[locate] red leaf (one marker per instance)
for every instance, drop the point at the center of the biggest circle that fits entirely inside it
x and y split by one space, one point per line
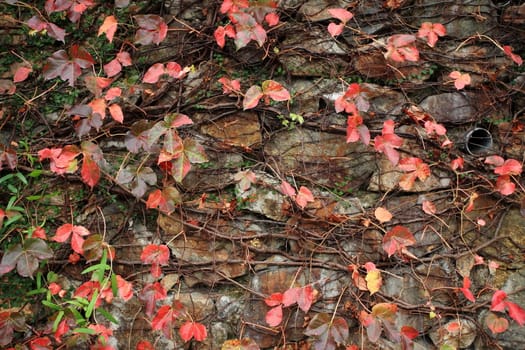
355 130
191 330
274 299
457 163
62 159
112 68
496 324
153 73
341 14
306 297
153 253
76 233
466 289
174 70
144 345
272 19
109 27
516 58
150 294
152 29
67 66
230 6
274 317
460 80
229 86
221 33
124 58
90 171
290 296
287 189
401 48
21 74
125 288
516 313
304 196
397 239
433 127
409 332
113 93
388 142
275 91
504 185
498 301
431 31
509 167
116 113
164 319
336 29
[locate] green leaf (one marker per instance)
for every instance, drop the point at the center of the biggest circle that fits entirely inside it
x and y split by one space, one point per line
84 330
51 305
107 315
59 317
91 306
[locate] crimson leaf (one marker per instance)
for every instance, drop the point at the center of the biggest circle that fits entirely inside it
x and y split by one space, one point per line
68 66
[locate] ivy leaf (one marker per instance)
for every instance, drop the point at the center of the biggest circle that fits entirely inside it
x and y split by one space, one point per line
112 68
137 181
245 179
25 257
8 157
373 278
388 142
496 324
252 97
516 58
287 189
152 29
341 14
93 247
51 29
222 32
247 29
164 320
494 160
275 90
306 297
165 200
274 316
397 239
109 27
431 31
229 86
68 66
382 215
116 113
191 330
63 160
150 294
460 79
9 322
304 196
516 313
355 130
466 289
76 232
328 334
509 167
401 48
153 73
22 73
504 185
240 344
416 169
90 171
428 207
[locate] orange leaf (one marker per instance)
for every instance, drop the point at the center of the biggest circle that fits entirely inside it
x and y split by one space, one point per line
397 239
116 113
274 316
109 27
382 215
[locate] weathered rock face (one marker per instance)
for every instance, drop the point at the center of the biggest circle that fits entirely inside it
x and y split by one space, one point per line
232 247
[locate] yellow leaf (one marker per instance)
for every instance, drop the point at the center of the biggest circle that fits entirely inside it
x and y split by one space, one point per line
373 281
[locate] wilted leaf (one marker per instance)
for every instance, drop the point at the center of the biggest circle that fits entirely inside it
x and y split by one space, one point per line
25 257
152 29
496 324
252 97
67 66
275 90
328 333
401 48
373 278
